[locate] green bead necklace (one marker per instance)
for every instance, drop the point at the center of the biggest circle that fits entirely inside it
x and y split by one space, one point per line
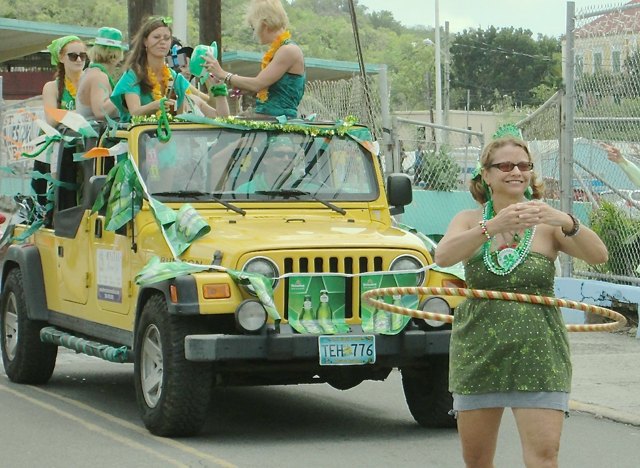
508 258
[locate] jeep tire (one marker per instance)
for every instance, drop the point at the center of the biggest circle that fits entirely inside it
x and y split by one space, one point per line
172 392
427 394
26 359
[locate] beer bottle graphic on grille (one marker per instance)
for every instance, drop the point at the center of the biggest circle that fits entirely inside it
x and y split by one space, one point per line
381 319
397 319
308 318
325 318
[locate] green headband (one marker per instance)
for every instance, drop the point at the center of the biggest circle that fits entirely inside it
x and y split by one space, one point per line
57 45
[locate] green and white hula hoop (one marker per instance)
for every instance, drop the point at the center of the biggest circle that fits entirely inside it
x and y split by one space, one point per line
370 298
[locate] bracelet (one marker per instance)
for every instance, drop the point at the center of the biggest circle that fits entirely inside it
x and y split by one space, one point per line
485 231
227 79
219 90
575 229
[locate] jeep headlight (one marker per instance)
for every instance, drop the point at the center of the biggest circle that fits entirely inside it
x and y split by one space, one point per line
265 267
435 305
410 263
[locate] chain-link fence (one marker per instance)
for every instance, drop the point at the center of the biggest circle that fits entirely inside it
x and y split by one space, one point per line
606 78
332 100
439 160
602 74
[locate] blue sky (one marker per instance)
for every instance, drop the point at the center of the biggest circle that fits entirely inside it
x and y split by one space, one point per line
540 16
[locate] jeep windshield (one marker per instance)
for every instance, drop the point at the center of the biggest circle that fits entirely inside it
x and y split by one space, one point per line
214 164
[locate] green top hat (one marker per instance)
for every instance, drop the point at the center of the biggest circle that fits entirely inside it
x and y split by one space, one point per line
109 37
196 65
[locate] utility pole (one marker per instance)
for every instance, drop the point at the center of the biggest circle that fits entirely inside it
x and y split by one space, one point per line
430 101
447 83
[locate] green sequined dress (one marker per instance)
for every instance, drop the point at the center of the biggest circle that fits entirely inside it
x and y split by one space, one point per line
500 346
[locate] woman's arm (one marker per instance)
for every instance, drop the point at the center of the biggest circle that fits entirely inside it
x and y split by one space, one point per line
585 245
632 171
50 99
283 60
461 240
99 97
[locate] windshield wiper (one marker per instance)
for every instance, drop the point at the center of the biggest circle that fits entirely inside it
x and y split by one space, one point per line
297 193
195 193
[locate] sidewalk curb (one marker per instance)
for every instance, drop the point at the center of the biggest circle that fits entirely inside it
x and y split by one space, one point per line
608 413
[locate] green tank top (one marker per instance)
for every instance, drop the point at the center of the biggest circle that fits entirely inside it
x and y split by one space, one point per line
67 102
283 96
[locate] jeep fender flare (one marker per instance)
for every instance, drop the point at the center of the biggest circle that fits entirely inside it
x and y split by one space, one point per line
27 258
187 292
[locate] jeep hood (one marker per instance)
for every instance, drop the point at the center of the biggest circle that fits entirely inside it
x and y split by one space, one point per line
259 234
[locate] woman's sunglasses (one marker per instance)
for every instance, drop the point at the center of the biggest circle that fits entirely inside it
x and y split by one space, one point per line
73 56
508 166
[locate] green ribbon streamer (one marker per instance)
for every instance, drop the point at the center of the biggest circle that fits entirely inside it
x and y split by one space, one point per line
116 193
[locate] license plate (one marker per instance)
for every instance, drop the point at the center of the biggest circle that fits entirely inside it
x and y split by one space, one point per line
344 350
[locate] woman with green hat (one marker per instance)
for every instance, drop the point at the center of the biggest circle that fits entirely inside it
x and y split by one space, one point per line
96 83
148 79
69 55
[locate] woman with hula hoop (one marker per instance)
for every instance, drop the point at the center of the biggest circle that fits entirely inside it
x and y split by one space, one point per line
511 354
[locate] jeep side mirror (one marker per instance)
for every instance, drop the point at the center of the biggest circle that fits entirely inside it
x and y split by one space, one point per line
399 192
95 185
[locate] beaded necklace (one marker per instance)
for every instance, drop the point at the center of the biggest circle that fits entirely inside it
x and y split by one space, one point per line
266 60
508 258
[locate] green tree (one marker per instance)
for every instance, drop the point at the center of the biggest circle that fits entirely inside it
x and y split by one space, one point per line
505 61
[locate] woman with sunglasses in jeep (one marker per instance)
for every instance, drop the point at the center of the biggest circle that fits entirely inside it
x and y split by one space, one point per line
511 354
147 79
69 55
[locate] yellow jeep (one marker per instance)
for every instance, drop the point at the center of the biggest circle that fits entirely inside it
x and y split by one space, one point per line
225 252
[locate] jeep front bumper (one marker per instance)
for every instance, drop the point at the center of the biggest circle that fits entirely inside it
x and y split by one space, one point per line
288 346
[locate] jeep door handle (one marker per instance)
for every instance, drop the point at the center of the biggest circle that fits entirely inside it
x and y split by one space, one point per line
97 232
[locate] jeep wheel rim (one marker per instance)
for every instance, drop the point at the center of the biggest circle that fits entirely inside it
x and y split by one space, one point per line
151 366
10 332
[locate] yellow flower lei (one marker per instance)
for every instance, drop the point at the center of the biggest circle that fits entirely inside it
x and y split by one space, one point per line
70 87
156 90
266 60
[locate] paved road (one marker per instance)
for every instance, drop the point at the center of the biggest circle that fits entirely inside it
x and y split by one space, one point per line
87 416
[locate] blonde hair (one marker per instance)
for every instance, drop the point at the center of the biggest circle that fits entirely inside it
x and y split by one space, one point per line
477 187
269 13
104 54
